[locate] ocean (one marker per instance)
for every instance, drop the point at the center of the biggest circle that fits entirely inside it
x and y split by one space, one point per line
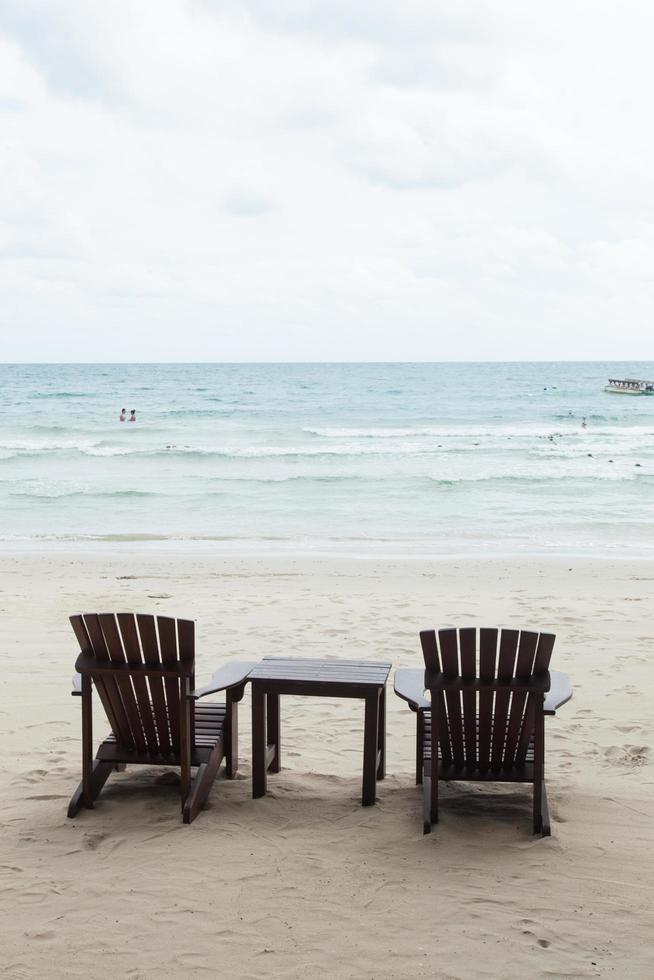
436 459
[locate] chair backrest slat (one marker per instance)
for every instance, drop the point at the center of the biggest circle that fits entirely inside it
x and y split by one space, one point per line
487 666
151 655
132 647
430 650
526 654
468 654
168 645
447 642
543 652
186 644
505 667
526 730
444 733
81 634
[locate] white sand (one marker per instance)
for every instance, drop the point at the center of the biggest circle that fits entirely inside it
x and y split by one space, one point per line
306 883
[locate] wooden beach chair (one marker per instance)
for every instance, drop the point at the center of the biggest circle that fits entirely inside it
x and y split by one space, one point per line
143 671
489 691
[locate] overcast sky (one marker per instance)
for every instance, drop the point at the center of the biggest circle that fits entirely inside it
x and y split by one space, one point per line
326 180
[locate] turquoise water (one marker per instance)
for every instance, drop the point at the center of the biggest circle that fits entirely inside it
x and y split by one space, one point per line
365 459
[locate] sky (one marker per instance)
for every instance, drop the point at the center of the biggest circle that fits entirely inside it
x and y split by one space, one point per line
307 180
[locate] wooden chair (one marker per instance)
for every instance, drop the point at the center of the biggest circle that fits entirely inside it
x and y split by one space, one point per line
484 719
143 670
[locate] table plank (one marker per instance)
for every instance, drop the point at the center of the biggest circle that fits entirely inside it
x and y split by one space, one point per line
334 671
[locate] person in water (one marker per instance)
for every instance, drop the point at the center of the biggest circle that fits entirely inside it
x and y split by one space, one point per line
132 417
122 415
583 423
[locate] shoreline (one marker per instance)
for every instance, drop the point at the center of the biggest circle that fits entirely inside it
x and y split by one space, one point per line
215 549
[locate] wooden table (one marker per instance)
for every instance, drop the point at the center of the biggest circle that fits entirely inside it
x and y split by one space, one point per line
274 676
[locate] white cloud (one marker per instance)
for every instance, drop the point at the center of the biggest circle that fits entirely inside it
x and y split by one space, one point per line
314 178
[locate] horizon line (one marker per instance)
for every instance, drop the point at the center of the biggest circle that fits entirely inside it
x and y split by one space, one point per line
331 362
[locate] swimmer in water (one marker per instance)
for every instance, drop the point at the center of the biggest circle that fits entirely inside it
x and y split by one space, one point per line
583 422
132 417
122 415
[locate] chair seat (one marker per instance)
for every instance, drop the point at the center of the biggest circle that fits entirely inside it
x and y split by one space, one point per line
209 730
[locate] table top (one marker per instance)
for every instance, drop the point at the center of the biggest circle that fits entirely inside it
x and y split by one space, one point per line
360 672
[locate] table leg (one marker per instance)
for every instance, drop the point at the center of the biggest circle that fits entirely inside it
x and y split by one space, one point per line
370 741
273 731
258 741
87 741
381 734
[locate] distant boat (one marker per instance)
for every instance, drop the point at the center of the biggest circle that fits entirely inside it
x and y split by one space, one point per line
629 386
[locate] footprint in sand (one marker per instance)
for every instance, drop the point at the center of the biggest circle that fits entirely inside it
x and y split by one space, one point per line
52 796
17 972
629 756
33 776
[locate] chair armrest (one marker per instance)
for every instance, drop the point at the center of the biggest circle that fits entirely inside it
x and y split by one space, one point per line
77 685
409 684
560 691
229 675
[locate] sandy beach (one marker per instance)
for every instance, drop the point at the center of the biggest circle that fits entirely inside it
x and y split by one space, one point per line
305 882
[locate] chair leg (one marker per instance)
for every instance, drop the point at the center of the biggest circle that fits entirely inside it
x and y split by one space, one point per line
185 741
426 804
201 785
433 795
541 810
541 815
544 828
433 763
429 795
100 772
537 800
